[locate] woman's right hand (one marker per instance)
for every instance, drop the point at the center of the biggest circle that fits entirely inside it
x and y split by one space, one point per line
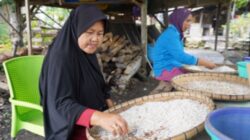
208 64
111 122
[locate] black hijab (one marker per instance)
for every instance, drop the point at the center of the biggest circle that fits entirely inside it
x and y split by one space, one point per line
71 80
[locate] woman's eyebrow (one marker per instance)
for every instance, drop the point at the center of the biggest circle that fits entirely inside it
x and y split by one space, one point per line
93 30
90 30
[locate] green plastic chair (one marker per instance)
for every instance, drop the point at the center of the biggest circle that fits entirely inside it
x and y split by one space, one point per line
23 80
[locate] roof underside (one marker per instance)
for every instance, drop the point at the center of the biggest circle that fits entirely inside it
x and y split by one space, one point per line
154 6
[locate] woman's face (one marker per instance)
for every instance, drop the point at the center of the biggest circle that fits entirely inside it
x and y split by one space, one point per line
187 22
90 40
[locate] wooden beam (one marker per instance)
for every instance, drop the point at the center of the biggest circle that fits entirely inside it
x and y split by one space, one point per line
9 24
43 22
60 3
27 9
50 18
105 2
163 26
37 2
175 3
137 2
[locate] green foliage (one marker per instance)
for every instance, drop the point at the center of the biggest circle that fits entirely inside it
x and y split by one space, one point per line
6 42
3 2
58 14
10 3
240 26
34 24
241 3
4 35
3 29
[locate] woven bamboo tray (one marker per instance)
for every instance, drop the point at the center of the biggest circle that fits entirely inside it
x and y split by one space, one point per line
192 70
162 87
163 97
179 83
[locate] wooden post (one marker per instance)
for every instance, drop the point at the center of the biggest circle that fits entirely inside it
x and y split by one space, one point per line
20 27
201 18
27 9
144 32
217 25
228 25
165 15
144 24
201 22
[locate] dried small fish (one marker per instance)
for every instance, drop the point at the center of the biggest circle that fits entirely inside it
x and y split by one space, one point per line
160 120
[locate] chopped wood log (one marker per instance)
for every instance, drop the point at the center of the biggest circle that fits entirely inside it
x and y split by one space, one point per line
117 42
100 61
134 66
131 69
125 59
4 87
135 48
105 58
126 51
120 60
128 58
115 38
107 37
104 47
116 49
122 66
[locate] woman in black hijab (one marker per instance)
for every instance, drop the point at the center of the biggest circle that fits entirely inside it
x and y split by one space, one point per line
73 91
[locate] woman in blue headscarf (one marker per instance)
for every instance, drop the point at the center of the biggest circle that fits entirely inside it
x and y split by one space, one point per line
168 54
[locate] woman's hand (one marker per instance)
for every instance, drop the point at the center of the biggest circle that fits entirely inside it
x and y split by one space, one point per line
111 122
208 64
211 65
110 103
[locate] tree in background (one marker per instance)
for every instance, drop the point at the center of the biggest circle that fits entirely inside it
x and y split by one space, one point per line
241 3
240 25
8 37
6 7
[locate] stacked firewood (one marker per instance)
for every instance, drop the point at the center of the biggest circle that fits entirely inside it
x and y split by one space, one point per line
119 60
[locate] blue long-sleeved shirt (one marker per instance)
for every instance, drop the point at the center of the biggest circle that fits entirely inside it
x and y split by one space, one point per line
168 52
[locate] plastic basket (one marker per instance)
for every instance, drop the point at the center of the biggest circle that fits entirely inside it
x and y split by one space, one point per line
242 68
229 124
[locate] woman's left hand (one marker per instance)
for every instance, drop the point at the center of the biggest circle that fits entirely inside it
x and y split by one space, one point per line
110 103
